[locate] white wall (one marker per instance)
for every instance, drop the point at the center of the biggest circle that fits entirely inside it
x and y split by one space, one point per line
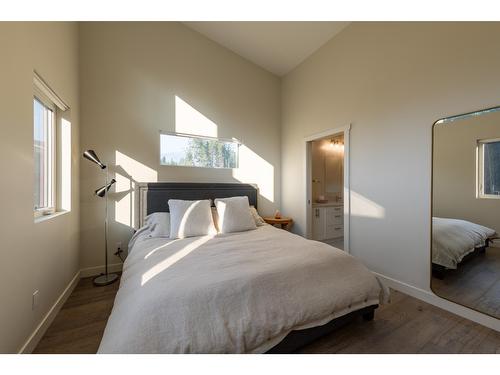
130 76
45 255
454 181
391 81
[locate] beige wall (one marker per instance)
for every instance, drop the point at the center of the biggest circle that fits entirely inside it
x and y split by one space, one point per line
454 172
391 81
130 76
45 255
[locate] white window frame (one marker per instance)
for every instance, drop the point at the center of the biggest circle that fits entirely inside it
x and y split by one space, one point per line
52 165
480 169
45 95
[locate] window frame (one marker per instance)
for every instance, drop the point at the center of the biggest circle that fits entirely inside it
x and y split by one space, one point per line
185 135
39 96
480 169
49 98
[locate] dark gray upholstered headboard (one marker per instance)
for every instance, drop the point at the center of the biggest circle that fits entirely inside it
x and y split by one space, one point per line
155 195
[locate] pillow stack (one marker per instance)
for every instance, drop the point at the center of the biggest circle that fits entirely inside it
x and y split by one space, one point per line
198 218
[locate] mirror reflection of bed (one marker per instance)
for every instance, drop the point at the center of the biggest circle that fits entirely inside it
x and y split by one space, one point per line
466 210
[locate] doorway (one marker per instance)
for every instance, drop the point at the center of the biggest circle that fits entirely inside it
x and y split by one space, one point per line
328 187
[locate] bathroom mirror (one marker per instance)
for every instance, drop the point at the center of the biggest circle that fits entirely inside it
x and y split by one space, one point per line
465 249
334 166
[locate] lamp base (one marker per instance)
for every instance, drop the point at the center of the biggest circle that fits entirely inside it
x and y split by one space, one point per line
102 280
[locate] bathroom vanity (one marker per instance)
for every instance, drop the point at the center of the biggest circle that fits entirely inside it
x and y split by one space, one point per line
328 221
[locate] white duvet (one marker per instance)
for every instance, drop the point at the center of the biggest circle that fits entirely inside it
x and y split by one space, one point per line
453 239
233 293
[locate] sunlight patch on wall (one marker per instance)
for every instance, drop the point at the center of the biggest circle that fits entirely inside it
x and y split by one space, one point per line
124 207
65 165
255 170
364 207
189 121
128 172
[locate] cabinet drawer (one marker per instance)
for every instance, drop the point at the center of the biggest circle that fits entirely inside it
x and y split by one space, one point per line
334 216
334 231
338 219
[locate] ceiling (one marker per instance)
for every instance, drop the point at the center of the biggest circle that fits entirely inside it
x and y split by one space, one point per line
275 46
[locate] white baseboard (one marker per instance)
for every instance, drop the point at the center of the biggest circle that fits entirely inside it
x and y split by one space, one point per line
40 330
96 271
429 297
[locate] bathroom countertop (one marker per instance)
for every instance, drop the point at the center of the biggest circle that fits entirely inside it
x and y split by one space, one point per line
327 204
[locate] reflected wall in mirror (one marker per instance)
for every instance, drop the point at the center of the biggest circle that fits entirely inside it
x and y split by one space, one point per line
466 210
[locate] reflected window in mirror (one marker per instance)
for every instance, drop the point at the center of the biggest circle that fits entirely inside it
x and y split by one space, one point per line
489 168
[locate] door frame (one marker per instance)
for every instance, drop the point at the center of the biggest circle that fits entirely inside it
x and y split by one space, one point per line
346 131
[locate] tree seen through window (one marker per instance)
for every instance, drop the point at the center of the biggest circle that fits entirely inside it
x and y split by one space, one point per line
198 152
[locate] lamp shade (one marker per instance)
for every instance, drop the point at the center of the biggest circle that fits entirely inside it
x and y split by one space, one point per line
92 156
101 192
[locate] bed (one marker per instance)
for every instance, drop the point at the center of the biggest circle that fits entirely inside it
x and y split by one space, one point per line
453 241
264 290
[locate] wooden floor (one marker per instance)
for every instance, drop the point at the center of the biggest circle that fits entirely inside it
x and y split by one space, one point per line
475 284
79 326
407 325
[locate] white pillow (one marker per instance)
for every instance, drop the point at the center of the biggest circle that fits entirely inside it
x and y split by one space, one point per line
190 218
234 215
259 221
159 224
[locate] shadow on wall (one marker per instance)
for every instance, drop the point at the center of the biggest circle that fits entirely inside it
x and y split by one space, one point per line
371 237
129 171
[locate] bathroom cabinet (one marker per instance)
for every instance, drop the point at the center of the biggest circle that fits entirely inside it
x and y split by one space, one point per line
328 222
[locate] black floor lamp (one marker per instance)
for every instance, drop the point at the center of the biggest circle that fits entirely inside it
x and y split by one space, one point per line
106 278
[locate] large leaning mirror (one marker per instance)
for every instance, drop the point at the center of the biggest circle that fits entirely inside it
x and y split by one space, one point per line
466 210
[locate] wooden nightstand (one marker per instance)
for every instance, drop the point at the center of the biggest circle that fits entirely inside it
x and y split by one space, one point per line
283 223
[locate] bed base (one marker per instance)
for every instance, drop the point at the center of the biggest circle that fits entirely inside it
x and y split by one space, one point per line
440 272
298 339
